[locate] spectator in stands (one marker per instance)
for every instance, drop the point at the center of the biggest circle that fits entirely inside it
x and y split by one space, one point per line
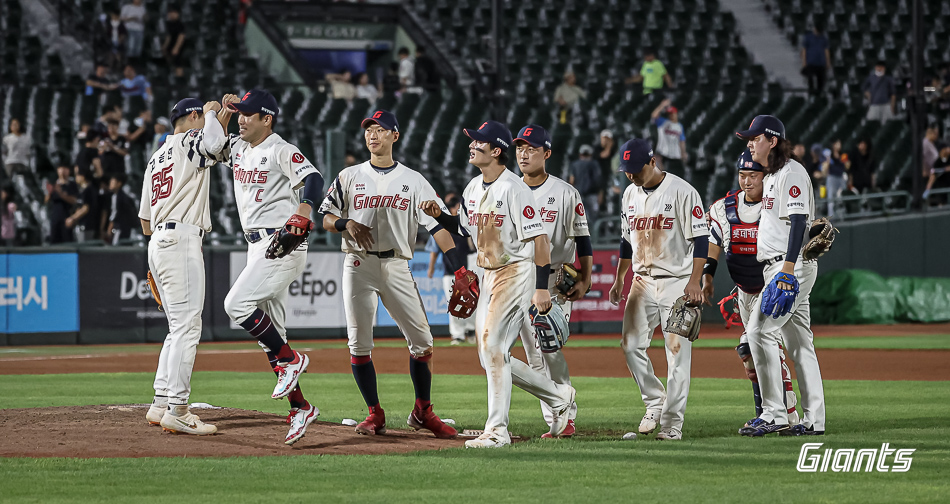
364 89
816 59
85 220
341 85
605 157
174 46
133 15
880 93
425 73
813 164
60 197
407 72
8 216
112 150
834 173
930 152
671 139
117 41
123 216
87 160
391 82
585 176
17 149
652 74
162 128
135 85
568 94
349 159
799 151
862 168
140 139
99 81
109 113
939 176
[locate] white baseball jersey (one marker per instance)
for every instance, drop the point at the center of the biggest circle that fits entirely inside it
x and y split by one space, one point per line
501 218
719 227
266 180
660 226
386 201
562 215
786 192
670 135
175 186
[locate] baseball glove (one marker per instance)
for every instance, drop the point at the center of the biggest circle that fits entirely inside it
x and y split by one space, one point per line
464 297
820 237
778 302
286 240
550 328
154 288
566 278
684 319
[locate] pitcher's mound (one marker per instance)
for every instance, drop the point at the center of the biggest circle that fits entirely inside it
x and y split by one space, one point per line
121 431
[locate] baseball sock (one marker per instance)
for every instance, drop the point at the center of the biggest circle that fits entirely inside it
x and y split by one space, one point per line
295 397
757 397
421 379
365 374
263 329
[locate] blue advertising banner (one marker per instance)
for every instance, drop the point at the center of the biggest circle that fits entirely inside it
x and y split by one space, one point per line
431 290
39 293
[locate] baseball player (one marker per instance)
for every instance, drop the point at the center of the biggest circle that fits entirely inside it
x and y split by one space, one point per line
733 227
175 211
561 211
268 174
782 308
498 212
665 239
458 327
375 205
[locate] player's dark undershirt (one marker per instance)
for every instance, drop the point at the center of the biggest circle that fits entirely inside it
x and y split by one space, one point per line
383 170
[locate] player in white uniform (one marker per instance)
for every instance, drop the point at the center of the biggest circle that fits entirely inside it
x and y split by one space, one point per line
788 207
175 211
498 212
562 215
733 227
268 174
376 206
665 238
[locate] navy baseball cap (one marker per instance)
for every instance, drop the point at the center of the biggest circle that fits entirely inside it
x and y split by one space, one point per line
763 125
535 136
634 154
185 107
745 162
384 118
492 132
257 101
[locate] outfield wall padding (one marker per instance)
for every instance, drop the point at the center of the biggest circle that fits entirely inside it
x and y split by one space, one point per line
865 297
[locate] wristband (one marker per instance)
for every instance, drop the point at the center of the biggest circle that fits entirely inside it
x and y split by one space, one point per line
541 281
710 267
340 224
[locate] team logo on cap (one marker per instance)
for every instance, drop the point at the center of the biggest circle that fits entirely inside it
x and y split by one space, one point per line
579 209
626 155
697 212
378 114
246 95
794 192
527 132
297 157
528 212
483 125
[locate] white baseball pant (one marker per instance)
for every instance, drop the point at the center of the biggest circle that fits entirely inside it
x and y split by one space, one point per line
648 305
745 302
367 279
795 327
264 283
176 262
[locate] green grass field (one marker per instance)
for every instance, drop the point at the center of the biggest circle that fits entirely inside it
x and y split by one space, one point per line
712 463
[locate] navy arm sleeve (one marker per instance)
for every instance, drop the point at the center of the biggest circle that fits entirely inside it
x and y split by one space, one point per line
626 250
795 237
449 222
313 190
700 247
584 247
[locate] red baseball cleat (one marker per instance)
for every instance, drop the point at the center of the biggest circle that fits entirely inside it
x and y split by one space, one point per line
425 419
374 424
568 431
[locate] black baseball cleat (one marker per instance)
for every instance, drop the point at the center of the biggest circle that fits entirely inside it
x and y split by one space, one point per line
801 430
758 427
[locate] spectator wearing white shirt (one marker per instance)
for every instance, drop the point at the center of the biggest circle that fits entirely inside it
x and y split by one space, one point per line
406 70
16 149
133 15
671 141
341 85
364 89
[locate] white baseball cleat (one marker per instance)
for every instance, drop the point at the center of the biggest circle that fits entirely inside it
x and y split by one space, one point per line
560 419
489 440
155 414
189 423
288 373
649 422
669 435
300 419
